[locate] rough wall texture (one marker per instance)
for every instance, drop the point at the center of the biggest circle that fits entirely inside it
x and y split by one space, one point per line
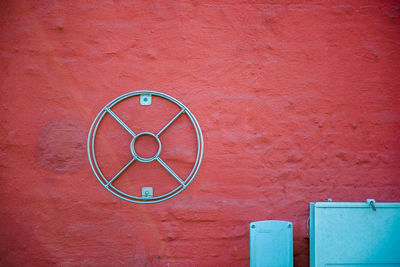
298 101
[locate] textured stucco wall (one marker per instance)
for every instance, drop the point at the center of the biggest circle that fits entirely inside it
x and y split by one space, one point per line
298 100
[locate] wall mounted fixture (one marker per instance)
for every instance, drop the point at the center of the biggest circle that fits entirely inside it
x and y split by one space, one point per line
148 194
354 234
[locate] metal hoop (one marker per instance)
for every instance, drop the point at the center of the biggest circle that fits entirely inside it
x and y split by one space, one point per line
142 159
107 183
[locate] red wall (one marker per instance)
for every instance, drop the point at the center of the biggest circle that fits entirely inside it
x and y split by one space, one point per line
298 101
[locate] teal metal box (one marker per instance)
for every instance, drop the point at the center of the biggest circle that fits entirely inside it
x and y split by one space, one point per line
271 244
354 234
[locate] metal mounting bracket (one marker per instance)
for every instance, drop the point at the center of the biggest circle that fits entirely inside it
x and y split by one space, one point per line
145 99
147 192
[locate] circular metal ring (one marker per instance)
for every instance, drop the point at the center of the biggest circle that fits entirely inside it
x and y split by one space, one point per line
107 182
142 159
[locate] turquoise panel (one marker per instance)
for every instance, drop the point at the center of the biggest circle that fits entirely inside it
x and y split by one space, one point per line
354 234
271 244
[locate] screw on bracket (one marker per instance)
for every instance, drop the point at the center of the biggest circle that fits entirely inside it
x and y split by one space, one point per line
147 192
145 99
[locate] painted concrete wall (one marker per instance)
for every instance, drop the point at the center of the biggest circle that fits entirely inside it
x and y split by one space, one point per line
298 101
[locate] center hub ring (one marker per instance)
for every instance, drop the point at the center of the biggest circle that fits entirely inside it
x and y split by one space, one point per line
142 159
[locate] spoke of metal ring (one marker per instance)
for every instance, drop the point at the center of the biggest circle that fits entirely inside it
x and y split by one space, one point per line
171 171
120 121
169 123
121 171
